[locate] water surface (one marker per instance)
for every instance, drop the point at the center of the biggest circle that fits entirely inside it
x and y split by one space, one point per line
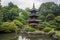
14 36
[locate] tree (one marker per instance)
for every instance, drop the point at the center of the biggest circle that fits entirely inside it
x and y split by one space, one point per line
10 12
49 17
25 14
42 17
18 23
1 14
48 7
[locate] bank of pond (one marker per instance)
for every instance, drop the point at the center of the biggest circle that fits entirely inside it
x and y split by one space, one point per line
20 36
29 36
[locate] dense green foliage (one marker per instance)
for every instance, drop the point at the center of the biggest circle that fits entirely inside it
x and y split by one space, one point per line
47 29
47 7
50 16
13 18
8 27
29 29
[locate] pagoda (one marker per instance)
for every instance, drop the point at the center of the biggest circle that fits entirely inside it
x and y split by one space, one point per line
33 17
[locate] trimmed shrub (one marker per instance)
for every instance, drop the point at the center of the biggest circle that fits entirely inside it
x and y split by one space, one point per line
41 26
49 17
18 23
8 27
46 24
57 18
47 29
29 29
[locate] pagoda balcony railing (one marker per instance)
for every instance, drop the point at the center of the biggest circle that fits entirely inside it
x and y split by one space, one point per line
33 14
34 20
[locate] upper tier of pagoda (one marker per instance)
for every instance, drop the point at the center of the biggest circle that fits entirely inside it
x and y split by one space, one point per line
33 10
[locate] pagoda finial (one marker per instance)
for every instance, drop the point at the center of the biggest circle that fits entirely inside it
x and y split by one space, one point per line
33 5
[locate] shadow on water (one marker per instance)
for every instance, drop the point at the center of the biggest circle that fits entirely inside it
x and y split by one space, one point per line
14 36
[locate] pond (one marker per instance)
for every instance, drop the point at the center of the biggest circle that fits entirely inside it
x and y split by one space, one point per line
14 36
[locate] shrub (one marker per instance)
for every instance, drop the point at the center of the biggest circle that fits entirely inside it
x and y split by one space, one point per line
52 31
18 23
46 24
8 27
42 17
57 18
41 26
49 17
58 28
29 29
47 29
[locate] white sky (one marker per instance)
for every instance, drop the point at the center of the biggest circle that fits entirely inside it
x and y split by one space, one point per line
26 3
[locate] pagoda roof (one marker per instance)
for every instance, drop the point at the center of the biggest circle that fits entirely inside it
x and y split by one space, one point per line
33 9
33 20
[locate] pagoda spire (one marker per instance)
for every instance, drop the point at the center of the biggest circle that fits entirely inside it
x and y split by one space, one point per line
33 5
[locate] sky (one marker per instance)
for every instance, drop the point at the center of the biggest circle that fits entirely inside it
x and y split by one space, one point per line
27 3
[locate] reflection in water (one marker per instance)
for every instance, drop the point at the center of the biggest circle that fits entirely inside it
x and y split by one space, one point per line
14 36
22 38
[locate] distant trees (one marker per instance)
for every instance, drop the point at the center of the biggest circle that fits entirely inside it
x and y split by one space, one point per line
49 7
50 15
10 12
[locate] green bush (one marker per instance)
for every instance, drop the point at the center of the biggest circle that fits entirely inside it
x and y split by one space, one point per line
46 24
58 28
47 29
57 18
29 29
8 27
41 26
52 31
42 17
49 17
18 23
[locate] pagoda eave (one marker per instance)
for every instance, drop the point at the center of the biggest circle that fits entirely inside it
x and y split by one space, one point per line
33 21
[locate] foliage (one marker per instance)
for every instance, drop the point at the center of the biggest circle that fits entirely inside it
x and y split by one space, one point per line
25 14
10 12
47 29
57 22
57 33
57 18
18 23
41 26
1 16
42 17
46 24
49 17
13 18
8 27
49 7
29 29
